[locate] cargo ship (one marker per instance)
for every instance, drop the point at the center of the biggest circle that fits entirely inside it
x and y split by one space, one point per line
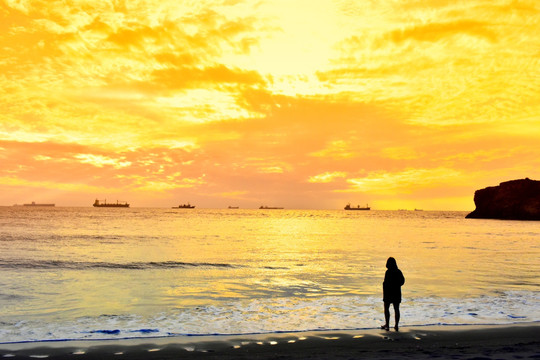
349 207
184 206
98 203
33 203
269 208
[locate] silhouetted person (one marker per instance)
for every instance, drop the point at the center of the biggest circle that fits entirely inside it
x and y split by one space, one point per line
393 279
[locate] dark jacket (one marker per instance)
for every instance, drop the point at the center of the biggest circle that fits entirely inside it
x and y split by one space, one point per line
393 279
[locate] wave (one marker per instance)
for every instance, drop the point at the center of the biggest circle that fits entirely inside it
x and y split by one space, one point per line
277 315
117 334
83 265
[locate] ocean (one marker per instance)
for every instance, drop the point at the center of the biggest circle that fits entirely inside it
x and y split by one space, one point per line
109 273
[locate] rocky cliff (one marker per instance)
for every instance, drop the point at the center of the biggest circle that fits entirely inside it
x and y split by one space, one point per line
511 200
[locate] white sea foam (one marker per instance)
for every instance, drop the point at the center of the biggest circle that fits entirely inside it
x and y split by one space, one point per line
286 315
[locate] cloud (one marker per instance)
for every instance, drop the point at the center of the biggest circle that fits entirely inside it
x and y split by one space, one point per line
327 177
401 153
222 97
437 31
130 169
22 6
189 77
16 182
271 170
100 161
403 182
336 149
147 184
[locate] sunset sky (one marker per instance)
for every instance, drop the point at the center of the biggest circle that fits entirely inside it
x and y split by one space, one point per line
301 104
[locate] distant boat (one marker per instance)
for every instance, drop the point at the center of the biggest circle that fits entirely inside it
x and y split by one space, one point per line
269 207
418 210
184 206
34 204
98 203
233 207
349 207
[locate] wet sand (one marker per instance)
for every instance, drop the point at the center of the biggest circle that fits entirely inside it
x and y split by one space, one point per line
429 342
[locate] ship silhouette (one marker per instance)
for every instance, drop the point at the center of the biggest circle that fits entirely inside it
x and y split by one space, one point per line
349 207
184 206
104 203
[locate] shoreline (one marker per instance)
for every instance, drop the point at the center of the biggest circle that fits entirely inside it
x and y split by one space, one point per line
419 342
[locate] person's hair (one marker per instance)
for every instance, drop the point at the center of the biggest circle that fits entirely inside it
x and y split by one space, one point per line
391 263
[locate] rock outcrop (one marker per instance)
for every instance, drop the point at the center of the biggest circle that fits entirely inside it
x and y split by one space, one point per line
511 200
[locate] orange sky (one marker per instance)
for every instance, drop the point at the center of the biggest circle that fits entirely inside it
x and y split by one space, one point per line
301 104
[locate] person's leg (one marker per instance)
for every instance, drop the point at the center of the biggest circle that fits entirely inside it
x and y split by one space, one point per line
386 325
397 315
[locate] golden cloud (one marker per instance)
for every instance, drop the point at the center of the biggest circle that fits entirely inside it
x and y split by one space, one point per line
400 153
437 31
404 182
327 177
161 95
71 187
335 149
100 161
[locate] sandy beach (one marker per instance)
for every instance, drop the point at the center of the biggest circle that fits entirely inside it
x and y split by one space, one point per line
428 342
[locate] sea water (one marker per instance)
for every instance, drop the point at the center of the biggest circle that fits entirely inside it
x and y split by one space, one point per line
108 273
